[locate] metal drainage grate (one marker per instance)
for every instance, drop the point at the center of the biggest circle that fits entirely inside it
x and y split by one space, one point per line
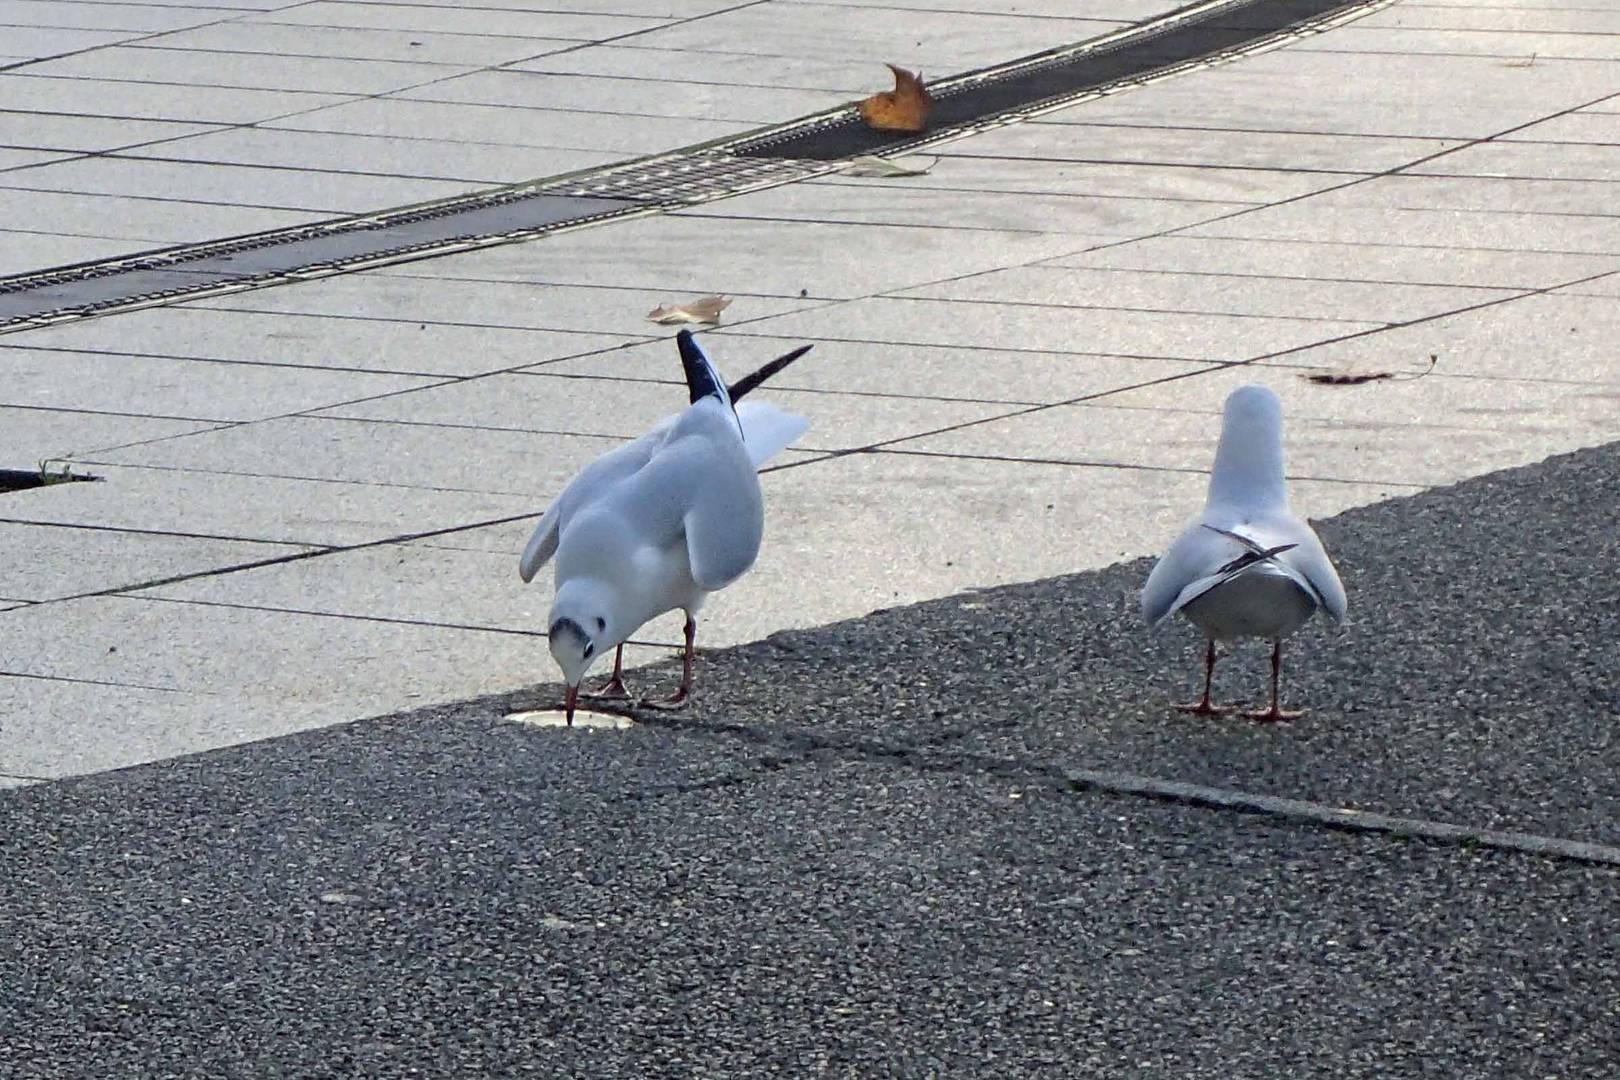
1199 34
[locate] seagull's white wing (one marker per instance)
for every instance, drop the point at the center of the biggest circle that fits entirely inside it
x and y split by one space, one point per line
1203 556
1309 560
767 430
1189 567
590 484
700 484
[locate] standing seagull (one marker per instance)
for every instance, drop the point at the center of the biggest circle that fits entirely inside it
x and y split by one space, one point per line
1247 567
660 523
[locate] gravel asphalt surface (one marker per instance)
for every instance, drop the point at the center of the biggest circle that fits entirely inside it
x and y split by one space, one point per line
853 858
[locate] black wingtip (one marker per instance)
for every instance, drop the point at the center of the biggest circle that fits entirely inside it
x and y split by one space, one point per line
753 379
702 380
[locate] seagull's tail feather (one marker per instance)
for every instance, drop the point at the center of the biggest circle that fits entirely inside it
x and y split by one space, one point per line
767 429
702 379
754 378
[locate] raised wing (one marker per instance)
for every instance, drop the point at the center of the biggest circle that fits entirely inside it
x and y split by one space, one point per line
767 430
591 483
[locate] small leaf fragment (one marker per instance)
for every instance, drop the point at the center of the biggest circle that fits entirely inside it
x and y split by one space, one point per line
1351 377
905 108
886 168
703 312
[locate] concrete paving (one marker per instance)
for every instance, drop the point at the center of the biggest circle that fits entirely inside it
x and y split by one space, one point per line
1037 333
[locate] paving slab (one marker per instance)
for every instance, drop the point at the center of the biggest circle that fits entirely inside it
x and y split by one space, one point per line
964 41
56 728
34 434
144 221
959 167
15 160
316 341
126 17
464 47
55 131
1553 161
1520 47
1576 198
328 75
887 204
445 460
265 672
1086 133
634 899
1573 20
1215 294
670 255
1415 432
1584 234
1356 260
21 252
1576 127
54 562
1560 337
484 163
501 304
154 101
533 90
1174 335
195 502
311 191
159 386
964 373
28 43
624 136
1303 93
429 18
574 405
447 586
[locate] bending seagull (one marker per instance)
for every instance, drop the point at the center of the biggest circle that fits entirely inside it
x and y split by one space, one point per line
660 523
1247 567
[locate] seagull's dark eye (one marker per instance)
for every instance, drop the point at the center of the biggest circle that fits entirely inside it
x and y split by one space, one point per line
590 650
601 624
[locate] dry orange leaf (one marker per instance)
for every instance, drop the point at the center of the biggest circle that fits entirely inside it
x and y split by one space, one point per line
905 108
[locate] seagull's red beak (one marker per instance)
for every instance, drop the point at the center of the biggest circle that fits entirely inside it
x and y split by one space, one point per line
570 700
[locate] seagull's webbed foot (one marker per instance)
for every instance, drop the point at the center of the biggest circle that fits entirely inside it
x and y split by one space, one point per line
680 699
612 690
1273 715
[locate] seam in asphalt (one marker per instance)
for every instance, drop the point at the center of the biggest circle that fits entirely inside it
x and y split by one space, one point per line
779 747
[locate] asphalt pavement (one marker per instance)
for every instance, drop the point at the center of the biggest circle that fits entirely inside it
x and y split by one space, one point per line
857 855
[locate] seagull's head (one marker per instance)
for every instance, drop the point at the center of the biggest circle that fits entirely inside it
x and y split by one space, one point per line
581 628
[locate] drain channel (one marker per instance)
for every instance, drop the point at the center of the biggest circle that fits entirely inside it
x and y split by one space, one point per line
1201 34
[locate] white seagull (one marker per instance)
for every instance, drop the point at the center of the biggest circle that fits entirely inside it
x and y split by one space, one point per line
1247 567
659 523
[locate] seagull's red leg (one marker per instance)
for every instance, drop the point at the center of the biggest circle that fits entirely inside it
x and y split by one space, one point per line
681 695
614 688
1275 713
1205 707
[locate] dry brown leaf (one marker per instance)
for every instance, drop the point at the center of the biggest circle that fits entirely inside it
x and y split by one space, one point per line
1357 378
905 108
702 312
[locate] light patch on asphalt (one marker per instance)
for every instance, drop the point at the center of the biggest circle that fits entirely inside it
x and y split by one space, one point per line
583 718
